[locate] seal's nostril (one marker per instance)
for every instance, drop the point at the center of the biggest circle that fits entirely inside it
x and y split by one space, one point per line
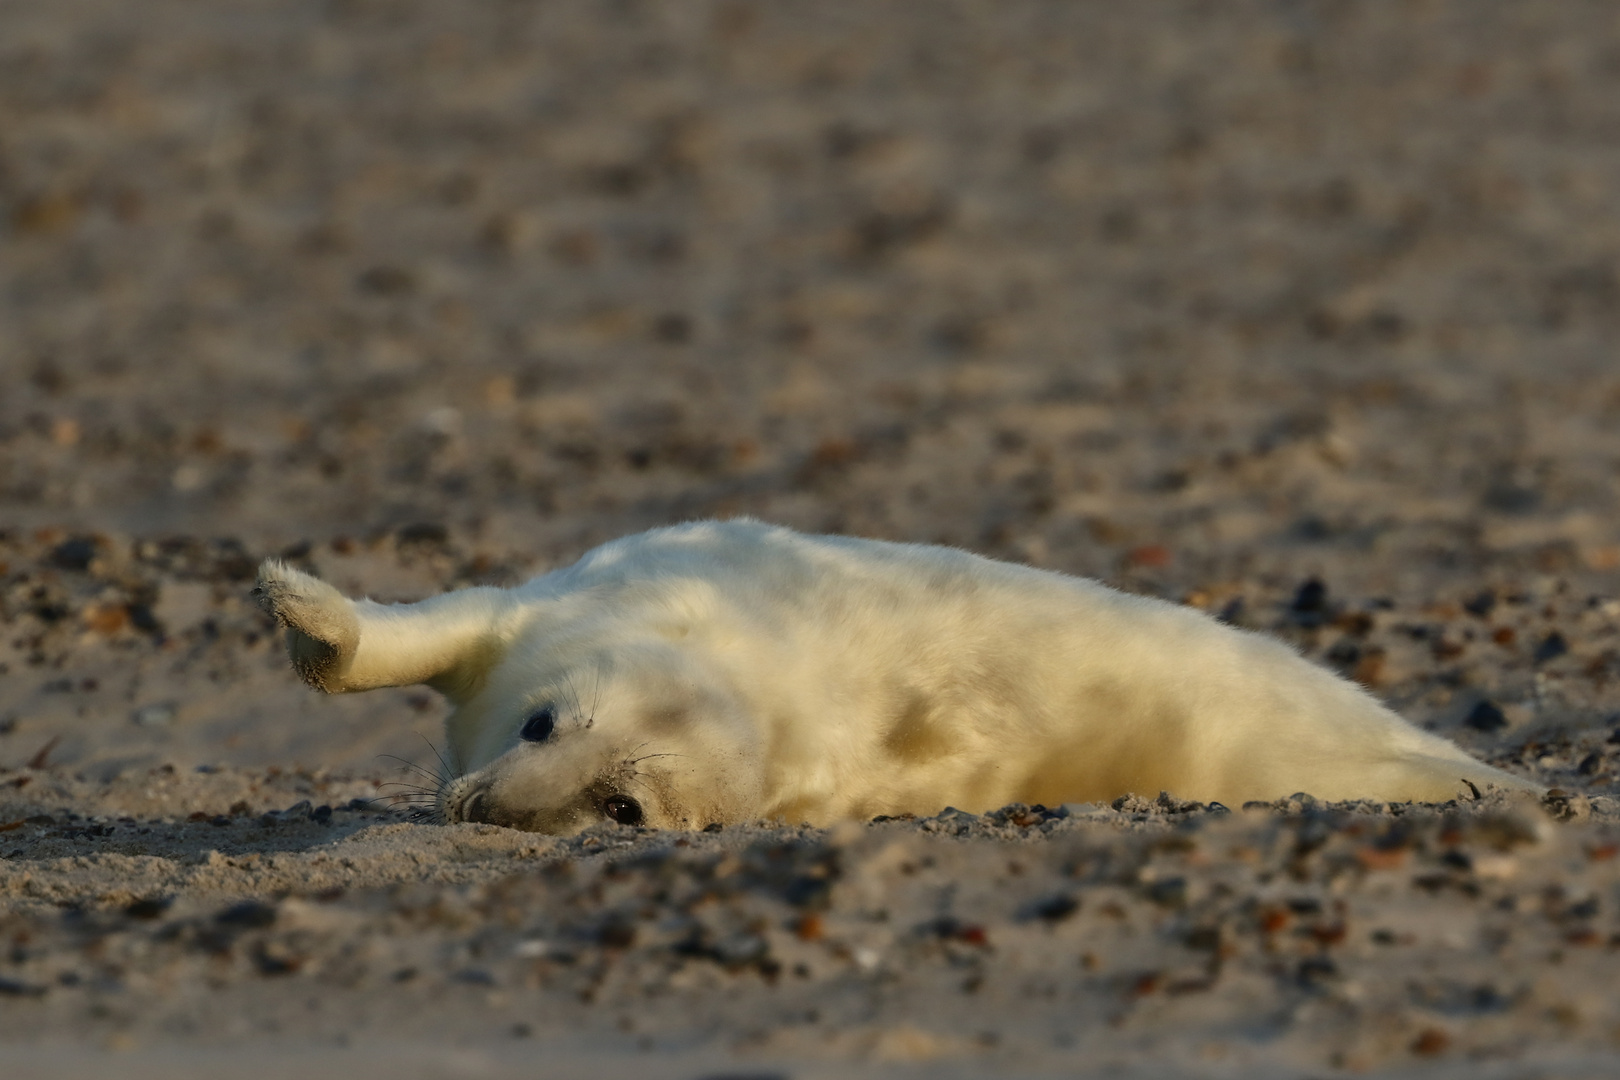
461 800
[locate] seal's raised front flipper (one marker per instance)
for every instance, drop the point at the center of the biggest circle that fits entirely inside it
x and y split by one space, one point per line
340 645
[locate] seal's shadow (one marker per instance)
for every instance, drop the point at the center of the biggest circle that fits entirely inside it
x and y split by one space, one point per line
42 837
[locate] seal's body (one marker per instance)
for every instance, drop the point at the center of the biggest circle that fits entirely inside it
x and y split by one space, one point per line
734 671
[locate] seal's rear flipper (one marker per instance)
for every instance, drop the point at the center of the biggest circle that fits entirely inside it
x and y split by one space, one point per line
1431 778
340 645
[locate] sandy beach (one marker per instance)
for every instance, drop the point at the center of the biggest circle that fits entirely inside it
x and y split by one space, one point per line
1299 313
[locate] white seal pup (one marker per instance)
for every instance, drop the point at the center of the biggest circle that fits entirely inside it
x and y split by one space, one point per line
735 671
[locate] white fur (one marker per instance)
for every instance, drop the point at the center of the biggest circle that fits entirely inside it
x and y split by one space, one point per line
732 671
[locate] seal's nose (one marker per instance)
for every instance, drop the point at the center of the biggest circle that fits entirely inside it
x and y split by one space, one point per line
463 801
473 805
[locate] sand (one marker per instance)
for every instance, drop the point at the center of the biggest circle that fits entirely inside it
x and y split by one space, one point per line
1299 313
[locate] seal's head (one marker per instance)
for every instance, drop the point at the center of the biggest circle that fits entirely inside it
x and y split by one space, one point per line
638 733
563 717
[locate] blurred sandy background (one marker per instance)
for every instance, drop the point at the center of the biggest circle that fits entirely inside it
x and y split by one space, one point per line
1208 300
1272 283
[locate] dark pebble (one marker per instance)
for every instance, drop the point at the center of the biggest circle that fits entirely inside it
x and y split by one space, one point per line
74 554
249 915
426 533
141 617
271 964
617 934
1171 892
1481 604
1317 969
149 907
322 814
1485 716
1056 908
1310 606
1551 648
18 989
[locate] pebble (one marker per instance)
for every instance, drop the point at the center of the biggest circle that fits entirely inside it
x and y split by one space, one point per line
1486 716
1551 648
75 554
1310 606
248 915
16 988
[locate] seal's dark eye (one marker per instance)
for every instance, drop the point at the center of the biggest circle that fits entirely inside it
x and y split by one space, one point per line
623 809
537 728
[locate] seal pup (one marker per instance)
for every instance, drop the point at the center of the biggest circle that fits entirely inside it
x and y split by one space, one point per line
720 672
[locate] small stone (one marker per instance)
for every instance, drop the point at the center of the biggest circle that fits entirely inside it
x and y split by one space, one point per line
1057 908
617 934
422 534
18 989
1551 648
1316 970
148 908
248 915
1171 892
1310 606
1486 716
75 554
1430 1041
